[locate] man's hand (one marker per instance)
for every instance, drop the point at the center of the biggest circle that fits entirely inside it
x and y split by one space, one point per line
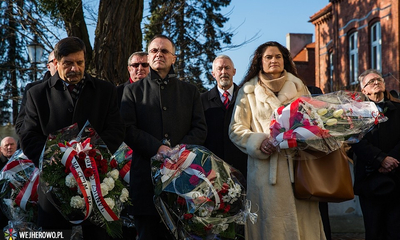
388 164
163 150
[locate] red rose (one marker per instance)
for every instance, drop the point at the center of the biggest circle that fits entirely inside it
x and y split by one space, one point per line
181 201
92 153
187 216
88 172
227 208
81 155
113 163
208 227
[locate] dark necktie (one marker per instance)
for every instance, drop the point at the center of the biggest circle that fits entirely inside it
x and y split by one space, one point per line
71 88
226 99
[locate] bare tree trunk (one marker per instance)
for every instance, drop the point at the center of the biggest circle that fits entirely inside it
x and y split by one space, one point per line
75 24
118 35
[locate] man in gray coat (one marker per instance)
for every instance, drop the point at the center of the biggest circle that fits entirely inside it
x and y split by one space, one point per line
159 108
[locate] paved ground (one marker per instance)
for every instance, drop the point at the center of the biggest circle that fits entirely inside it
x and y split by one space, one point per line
347 228
348 236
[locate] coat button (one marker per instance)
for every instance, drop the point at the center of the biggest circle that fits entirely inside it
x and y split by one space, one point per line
164 108
166 135
70 110
162 87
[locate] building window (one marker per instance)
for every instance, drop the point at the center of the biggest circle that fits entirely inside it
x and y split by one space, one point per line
376 54
331 68
353 58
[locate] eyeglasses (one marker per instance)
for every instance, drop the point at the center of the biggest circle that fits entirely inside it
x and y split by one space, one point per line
52 60
373 80
163 51
135 65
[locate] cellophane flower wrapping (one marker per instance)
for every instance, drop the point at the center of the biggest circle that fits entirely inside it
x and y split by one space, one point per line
324 122
81 179
197 194
18 192
123 156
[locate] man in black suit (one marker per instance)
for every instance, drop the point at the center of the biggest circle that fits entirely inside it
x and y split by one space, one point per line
377 158
138 68
69 96
218 115
157 109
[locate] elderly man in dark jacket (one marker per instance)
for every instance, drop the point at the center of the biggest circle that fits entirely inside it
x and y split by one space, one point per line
218 116
377 159
70 96
159 107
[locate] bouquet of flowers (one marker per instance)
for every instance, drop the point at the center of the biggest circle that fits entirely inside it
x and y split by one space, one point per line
123 156
82 180
323 122
197 195
18 188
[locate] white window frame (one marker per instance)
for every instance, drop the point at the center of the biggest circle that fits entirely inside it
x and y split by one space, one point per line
353 58
376 49
331 69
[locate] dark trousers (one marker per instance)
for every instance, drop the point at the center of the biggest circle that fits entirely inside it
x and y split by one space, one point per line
381 218
150 227
324 211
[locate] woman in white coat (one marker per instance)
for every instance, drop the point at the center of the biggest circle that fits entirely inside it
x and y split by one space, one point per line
271 81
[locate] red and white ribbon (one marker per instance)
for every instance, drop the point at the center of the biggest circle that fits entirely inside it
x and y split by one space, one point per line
72 149
125 171
286 117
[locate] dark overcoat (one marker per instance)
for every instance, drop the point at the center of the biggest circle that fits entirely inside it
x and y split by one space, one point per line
153 110
49 107
218 119
382 141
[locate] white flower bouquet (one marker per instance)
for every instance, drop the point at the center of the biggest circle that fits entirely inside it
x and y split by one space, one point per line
323 122
82 180
197 194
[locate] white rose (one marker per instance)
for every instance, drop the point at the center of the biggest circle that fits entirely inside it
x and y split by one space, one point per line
110 202
114 174
70 181
104 189
124 195
77 202
110 182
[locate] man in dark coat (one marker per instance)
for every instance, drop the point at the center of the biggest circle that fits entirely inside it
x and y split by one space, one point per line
138 68
218 104
377 157
157 109
218 116
51 71
70 96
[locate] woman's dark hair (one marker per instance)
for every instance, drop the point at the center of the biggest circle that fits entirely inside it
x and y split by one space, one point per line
256 62
67 46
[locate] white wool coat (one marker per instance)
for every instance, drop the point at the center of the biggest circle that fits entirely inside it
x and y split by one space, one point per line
270 177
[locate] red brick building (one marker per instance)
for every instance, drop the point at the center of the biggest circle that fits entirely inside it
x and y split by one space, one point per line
352 36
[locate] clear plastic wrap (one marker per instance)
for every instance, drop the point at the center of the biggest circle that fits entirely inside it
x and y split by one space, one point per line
19 180
323 122
197 194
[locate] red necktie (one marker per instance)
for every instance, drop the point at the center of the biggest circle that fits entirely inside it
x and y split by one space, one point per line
226 101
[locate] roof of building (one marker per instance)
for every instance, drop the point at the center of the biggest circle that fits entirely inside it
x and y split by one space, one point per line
302 56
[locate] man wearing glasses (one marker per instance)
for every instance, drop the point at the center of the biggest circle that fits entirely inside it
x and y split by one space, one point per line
138 68
377 158
158 109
